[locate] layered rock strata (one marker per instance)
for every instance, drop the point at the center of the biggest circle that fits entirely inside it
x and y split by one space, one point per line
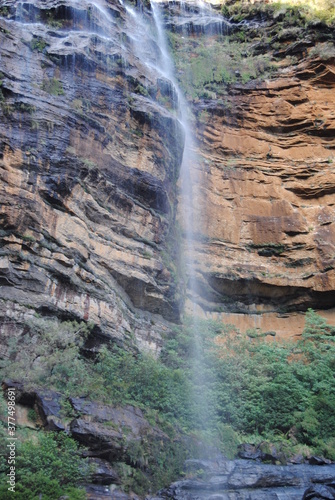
246 480
90 152
263 197
268 220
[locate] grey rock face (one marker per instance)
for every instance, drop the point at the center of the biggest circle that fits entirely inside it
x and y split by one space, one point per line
249 480
89 162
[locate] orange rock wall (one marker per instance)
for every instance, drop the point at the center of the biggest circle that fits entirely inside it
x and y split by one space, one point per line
265 209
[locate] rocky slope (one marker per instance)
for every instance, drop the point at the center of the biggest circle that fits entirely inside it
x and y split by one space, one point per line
246 480
113 434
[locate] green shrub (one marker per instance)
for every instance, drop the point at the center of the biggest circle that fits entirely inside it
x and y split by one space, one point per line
50 351
49 468
205 68
268 387
52 86
144 381
38 44
4 11
32 415
214 383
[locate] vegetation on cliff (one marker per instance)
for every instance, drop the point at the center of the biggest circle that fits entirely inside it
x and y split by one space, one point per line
206 65
257 390
300 11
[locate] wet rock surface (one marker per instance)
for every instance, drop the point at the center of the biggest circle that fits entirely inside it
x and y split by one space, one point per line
91 148
104 473
90 156
106 430
248 480
95 492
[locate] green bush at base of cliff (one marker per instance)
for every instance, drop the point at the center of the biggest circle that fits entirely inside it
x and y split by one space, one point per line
153 464
254 385
48 465
257 387
212 388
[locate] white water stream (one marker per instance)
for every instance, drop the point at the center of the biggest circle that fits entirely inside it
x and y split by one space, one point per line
144 38
189 193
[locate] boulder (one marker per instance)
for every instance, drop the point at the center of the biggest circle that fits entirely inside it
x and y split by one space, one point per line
49 406
315 460
249 451
319 491
101 441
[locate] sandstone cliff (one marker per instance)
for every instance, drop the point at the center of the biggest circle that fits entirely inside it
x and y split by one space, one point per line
262 94
89 162
91 150
92 222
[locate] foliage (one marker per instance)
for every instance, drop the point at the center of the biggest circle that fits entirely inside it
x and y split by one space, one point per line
141 90
50 17
32 415
52 86
132 479
292 11
4 11
153 464
207 65
89 163
143 381
211 383
317 328
204 66
47 468
253 386
38 44
24 107
51 351
269 387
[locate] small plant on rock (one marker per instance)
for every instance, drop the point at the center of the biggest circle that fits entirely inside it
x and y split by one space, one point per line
52 86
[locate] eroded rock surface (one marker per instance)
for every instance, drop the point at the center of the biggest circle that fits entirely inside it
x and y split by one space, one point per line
90 154
269 213
263 198
246 480
91 151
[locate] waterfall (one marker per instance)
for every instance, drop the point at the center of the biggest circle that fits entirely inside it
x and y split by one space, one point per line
189 157
189 193
148 43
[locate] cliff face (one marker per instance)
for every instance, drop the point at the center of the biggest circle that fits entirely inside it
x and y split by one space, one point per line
89 162
93 224
267 218
264 214
91 150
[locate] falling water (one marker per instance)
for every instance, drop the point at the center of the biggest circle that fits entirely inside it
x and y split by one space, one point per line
142 44
189 156
189 193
